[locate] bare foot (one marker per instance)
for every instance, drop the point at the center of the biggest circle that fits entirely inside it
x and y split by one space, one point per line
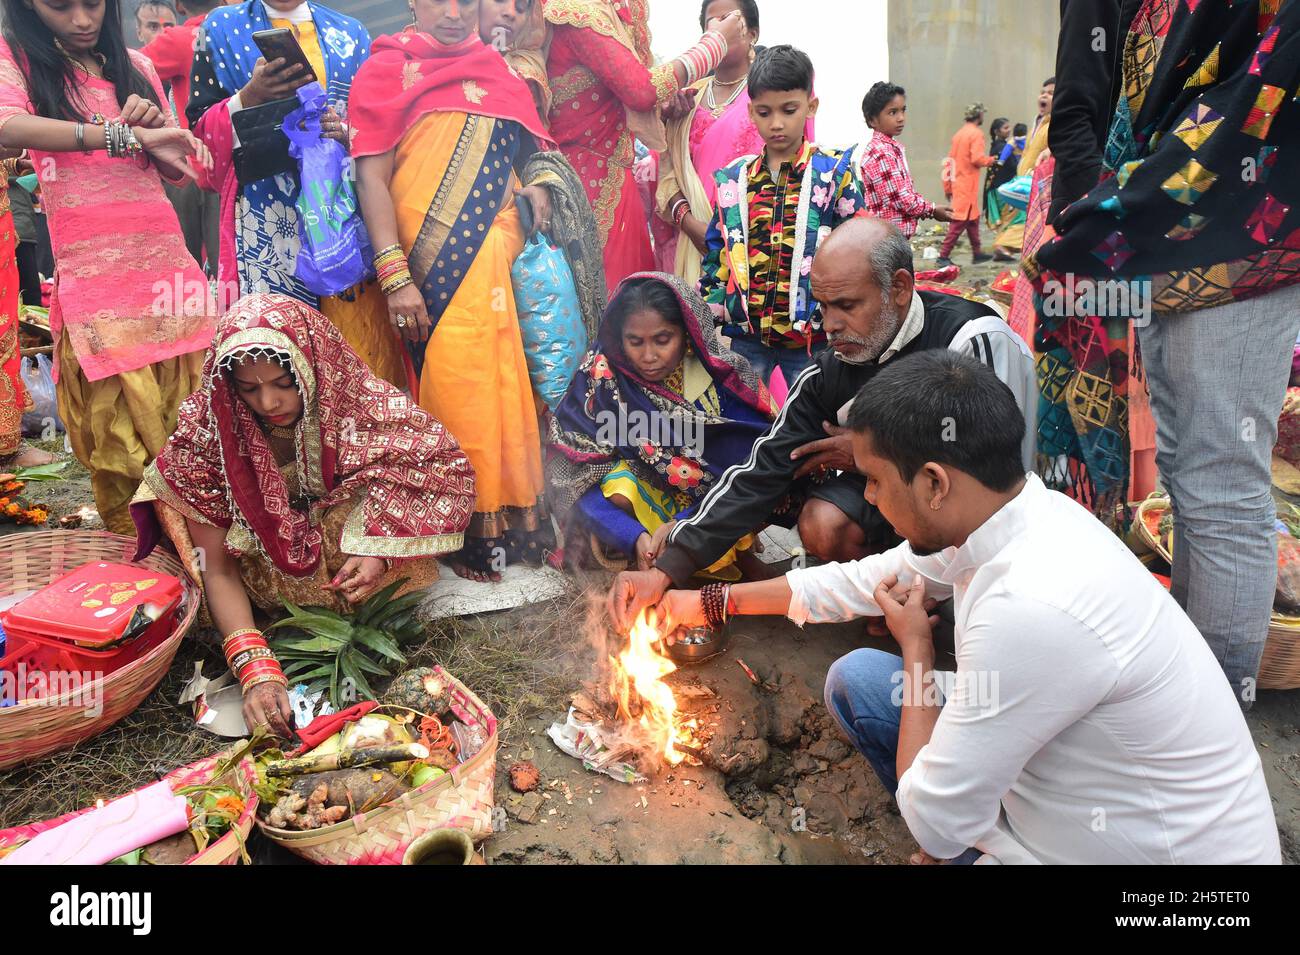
920 857
470 573
28 456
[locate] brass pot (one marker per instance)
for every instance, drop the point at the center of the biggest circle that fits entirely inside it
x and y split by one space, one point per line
442 847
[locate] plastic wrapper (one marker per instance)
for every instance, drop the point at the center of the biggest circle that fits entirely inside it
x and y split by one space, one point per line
38 378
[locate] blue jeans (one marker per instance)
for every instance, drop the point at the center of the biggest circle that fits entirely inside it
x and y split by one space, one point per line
764 358
859 693
860 689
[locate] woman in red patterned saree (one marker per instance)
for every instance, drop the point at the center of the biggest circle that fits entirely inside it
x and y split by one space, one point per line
605 92
298 474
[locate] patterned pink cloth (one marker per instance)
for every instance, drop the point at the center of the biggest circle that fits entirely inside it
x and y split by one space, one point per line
887 185
126 288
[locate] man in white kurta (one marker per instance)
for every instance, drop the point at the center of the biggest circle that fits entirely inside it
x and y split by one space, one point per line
1088 721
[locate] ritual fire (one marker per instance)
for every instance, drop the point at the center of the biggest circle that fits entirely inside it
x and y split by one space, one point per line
629 721
643 699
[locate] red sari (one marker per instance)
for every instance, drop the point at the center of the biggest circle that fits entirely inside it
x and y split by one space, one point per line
604 92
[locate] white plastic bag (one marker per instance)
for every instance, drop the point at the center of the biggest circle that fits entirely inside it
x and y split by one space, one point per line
38 377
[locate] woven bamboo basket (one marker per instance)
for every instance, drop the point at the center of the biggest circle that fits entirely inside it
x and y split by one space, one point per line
1159 543
463 799
1279 668
225 851
37 728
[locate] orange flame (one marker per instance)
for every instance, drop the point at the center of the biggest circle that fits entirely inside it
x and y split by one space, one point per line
636 682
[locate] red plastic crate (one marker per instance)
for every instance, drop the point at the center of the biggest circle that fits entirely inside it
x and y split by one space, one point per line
96 607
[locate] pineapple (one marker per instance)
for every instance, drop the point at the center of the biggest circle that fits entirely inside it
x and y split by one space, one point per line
421 689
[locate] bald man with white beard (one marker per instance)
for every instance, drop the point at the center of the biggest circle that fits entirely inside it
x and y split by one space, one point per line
872 313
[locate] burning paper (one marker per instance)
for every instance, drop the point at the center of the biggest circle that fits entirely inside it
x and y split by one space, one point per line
586 741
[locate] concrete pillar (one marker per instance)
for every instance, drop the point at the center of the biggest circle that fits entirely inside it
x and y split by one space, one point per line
949 53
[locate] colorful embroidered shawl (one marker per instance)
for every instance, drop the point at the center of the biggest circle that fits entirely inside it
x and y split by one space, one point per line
607 389
1205 150
359 439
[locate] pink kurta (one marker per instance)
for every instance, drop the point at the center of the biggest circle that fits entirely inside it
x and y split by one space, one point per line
125 287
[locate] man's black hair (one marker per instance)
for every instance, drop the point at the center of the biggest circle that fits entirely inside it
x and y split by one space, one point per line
780 69
161 4
1050 81
878 97
941 406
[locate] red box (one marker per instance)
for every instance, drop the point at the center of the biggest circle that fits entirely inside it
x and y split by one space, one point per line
98 608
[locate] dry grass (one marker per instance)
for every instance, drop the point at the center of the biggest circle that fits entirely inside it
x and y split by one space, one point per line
520 662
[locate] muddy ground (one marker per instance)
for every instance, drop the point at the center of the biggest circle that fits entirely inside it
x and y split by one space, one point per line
795 793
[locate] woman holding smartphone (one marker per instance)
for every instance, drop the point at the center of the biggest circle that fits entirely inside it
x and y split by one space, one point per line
238 98
129 326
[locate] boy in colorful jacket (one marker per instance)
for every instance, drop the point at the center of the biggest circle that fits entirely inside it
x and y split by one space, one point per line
772 212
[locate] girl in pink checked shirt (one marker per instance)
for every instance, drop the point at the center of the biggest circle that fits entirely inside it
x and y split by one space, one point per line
882 164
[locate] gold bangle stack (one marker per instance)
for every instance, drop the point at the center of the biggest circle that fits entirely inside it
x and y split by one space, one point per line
392 269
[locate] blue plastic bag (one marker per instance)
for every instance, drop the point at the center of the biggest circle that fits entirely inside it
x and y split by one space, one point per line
550 318
335 252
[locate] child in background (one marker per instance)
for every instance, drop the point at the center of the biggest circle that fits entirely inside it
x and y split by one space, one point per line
761 291
882 164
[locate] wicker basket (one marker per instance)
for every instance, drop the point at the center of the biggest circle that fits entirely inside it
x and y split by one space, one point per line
1279 669
1141 532
460 799
225 851
32 560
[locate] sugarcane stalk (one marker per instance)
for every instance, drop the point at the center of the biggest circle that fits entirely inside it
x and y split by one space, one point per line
347 759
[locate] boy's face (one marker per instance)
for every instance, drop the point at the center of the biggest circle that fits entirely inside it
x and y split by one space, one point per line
779 116
893 118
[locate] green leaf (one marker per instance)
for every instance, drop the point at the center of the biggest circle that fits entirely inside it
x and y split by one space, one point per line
380 642
376 603
369 665
315 611
293 674
318 626
41 472
353 672
400 605
314 645
334 685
